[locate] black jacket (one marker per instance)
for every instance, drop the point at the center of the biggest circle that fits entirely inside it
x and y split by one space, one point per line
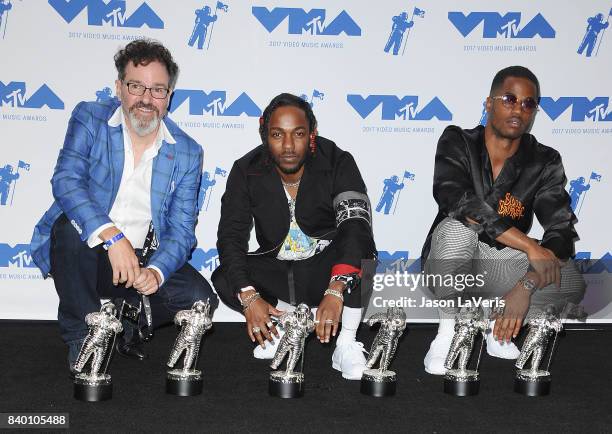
254 193
531 181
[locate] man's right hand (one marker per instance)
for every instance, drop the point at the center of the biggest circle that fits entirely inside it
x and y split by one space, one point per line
545 264
258 315
123 260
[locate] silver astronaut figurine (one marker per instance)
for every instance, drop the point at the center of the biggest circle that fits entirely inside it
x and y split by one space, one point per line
382 382
187 381
298 325
96 385
469 322
535 381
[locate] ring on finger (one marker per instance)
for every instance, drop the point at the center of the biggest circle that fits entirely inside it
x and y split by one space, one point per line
329 321
256 330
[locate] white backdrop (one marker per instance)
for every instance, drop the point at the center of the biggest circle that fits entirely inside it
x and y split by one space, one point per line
387 110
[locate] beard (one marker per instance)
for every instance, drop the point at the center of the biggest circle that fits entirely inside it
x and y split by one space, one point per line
288 170
143 127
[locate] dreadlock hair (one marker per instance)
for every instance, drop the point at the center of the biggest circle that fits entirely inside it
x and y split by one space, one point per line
283 100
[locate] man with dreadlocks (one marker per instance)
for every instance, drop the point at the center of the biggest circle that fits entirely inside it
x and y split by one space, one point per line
312 221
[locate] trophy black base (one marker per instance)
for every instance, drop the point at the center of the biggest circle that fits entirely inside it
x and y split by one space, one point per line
184 383
461 383
378 383
532 385
282 385
99 388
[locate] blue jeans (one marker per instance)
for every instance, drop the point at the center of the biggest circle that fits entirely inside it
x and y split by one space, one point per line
82 275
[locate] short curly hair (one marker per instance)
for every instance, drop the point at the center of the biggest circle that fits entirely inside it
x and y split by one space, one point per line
143 52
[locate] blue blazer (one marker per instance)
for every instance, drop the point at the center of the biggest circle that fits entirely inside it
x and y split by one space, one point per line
87 177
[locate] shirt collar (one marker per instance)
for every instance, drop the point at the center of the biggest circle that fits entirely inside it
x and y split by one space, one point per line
163 134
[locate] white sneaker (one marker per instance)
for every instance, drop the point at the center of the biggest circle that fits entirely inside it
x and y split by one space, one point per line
349 359
502 350
438 350
270 350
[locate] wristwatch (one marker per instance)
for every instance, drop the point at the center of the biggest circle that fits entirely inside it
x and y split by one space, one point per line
528 284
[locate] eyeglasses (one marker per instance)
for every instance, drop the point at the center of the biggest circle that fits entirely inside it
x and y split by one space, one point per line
138 89
509 100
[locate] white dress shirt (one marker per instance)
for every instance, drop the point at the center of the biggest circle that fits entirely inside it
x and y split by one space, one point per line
131 211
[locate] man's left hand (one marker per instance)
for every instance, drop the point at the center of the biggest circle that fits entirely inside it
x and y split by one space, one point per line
508 325
328 314
147 282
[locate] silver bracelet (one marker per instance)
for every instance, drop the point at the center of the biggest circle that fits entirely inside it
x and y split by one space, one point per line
247 302
335 293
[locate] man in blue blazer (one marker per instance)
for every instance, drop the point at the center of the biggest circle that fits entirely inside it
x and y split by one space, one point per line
125 173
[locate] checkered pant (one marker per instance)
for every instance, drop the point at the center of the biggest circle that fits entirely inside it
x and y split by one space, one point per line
455 249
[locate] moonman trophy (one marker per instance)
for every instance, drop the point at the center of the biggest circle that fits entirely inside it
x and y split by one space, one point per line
462 381
534 381
95 385
297 325
382 382
188 380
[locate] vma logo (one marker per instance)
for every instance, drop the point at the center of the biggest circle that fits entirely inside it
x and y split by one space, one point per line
13 94
203 260
312 22
16 257
402 108
495 25
215 103
582 108
111 13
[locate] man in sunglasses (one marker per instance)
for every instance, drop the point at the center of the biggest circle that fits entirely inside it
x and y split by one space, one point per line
126 178
489 182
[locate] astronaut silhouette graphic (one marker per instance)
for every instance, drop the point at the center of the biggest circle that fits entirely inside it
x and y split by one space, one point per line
484 114
5 6
400 24
104 95
7 177
392 186
202 21
577 187
595 25
206 184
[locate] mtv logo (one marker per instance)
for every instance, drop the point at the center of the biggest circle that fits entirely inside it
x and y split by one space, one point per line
404 108
312 22
214 103
16 257
396 262
495 25
112 12
205 260
13 94
582 108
